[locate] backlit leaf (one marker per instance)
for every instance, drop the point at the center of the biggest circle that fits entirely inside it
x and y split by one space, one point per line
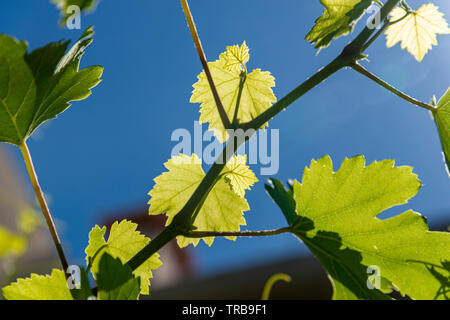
239 175
257 95
236 57
417 32
337 220
48 287
222 209
339 18
123 243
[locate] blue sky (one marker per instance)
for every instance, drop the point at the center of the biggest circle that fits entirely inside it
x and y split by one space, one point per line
102 154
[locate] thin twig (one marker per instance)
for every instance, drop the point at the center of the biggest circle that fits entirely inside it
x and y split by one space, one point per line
201 55
205 234
43 204
356 66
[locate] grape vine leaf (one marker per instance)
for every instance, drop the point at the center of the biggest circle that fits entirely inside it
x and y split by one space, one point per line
442 118
11 244
222 210
236 57
339 18
283 198
64 7
417 32
123 243
257 95
37 287
115 281
336 219
38 86
239 175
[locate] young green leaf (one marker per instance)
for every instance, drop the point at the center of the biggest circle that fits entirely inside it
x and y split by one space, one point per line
11 244
48 287
417 32
239 175
339 18
38 86
336 219
115 281
257 95
28 220
222 210
236 57
442 118
123 243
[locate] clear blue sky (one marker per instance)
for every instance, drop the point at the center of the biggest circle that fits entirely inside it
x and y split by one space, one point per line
103 153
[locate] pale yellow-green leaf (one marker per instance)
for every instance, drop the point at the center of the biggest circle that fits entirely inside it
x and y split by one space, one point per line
417 32
11 244
257 95
37 287
236 57
28 220
338 219
239 175
123 243
222 209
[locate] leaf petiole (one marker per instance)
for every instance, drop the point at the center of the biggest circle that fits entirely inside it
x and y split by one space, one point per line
357 67
243 77
43 204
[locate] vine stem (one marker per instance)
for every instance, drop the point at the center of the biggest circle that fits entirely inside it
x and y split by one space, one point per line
357 67
374 37
43 204
202 56
204 234
243 77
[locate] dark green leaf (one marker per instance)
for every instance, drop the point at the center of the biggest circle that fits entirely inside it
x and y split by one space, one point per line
283 198
38 86
442 118
115 281
83 292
